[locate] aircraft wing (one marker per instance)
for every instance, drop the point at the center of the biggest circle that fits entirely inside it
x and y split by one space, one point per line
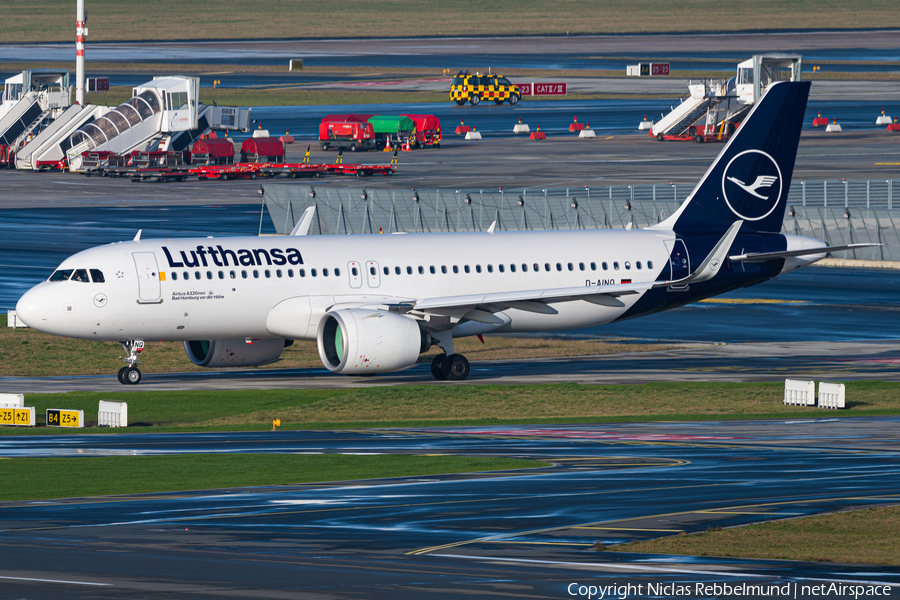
754 257
480 307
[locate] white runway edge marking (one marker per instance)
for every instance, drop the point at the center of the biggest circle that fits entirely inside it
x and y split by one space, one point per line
660 569
54 581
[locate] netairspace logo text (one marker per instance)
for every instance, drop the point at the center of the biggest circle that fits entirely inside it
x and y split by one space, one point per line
623 591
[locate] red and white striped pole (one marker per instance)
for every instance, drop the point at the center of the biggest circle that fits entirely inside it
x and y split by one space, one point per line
80 32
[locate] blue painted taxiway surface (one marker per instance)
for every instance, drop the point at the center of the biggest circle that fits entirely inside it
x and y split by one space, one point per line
520 533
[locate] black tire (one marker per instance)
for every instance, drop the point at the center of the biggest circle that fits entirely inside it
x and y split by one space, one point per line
121 376
513 99
692 131
325 146
660 138
252 175
475 99
437 368
223 176
132 375
460 102
698 139
421 145
498 102
354 148
456 367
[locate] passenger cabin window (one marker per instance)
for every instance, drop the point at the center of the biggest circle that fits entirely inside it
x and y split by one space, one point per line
196 274
397 270
581 266
571 266
444 269
490 268
593 266
255 274
268 273
500 268
558 266
512 268
432 270
546 266
524 268
97 276
455 269
638 264
174 276
386 270
244 274
466 268
278 273
324 272
627 265
421 270
409 270
649 264
312 272
605 267
616 266
81 275
290 272
355 272
209 274
478 268
301 272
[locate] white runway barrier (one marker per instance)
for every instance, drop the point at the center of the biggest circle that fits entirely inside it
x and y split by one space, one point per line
587 133
12 400
473 135
832 395
13 320
112 414
521 128
799 393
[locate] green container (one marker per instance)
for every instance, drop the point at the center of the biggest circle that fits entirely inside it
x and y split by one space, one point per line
392 124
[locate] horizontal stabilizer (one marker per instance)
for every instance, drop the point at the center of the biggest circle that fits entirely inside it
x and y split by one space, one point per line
756 257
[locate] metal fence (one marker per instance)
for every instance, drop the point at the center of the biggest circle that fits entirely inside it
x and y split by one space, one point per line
839 212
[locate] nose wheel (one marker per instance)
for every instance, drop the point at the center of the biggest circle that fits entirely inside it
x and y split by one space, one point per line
131 375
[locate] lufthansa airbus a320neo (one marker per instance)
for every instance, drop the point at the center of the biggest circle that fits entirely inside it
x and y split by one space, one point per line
375 302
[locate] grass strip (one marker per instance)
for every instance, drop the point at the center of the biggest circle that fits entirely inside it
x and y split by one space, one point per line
868 536
43 478
52 20
443 405
30 353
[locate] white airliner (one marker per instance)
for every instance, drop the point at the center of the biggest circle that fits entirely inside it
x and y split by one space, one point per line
375 302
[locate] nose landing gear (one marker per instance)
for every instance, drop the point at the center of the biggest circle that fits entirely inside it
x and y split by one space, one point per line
131 375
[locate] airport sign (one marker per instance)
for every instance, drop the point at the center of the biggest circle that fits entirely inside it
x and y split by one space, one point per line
57 417
22 417
543 89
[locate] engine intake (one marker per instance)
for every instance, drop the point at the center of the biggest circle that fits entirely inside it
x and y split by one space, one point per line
235 353
355 341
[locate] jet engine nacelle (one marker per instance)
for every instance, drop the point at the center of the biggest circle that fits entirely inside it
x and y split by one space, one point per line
357 341
235 353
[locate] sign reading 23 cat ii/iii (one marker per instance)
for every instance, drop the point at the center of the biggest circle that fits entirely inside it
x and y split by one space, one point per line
57 417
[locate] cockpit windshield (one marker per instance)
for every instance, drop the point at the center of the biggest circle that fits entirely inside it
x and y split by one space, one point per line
61 275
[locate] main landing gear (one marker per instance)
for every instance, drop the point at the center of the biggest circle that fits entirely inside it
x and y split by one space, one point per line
454 367
131 375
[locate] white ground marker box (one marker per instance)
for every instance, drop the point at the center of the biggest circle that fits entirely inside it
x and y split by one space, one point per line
112 414
12 400
13 320
799 393
832 395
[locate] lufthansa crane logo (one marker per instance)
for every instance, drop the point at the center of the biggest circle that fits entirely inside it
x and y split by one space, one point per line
752 185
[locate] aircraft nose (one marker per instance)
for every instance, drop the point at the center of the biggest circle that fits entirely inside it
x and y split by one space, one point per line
33 308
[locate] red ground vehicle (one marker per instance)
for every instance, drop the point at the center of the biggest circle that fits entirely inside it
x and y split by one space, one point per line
428 130
352 134
5 156
213 151
262 150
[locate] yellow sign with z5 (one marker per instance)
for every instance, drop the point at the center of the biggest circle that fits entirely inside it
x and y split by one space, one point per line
24 417
57 417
